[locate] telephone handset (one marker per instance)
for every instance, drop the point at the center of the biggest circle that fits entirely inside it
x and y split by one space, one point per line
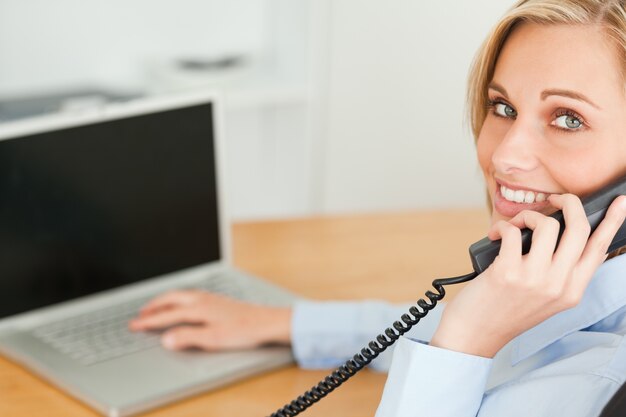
485 251
482 254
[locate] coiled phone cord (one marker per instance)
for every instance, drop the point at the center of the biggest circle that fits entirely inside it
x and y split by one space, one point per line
372 350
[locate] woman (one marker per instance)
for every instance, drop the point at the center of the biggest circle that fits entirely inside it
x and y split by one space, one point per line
532 335
535 335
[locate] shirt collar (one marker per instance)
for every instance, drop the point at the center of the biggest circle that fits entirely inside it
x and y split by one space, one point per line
605 295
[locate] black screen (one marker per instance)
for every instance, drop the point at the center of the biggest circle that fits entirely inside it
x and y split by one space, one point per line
89 208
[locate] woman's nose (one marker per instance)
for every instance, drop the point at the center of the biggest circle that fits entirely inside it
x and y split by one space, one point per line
516 151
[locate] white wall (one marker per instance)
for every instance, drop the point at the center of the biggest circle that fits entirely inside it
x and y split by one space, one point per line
48 45
396 138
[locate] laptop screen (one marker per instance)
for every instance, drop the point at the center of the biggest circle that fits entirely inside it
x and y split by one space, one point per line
89 208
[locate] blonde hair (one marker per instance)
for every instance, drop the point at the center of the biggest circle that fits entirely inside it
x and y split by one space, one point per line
608 15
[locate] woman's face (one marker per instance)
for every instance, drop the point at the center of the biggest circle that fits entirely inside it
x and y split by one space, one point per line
557 118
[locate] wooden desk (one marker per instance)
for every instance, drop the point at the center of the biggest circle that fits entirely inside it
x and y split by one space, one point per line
384 256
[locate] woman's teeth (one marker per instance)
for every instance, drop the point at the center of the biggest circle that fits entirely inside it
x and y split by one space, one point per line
519 196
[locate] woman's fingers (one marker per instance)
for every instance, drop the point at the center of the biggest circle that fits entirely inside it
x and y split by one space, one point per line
167 318
511 246
545 233
186 337
204 337
597 245
169 299
575 234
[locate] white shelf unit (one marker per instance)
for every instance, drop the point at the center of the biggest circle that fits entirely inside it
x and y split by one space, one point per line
117 45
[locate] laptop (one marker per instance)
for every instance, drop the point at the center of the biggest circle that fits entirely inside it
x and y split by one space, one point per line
98 214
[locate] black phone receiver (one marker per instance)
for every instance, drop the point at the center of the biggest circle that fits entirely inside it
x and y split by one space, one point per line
483 254
485 250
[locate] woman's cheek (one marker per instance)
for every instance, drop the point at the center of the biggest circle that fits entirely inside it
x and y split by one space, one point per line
570 171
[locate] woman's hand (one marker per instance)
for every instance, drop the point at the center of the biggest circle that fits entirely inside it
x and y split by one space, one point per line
518 292
211 321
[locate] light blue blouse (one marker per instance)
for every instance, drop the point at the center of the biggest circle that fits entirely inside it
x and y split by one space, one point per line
569 365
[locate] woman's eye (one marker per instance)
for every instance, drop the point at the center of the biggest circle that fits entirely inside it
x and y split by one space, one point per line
568 122
504 110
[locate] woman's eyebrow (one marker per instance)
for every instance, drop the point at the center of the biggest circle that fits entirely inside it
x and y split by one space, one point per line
547 93
497 87
570 94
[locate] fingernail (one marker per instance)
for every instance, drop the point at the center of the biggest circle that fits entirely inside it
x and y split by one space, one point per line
168 341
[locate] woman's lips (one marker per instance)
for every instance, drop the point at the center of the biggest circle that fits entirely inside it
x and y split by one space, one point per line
510 208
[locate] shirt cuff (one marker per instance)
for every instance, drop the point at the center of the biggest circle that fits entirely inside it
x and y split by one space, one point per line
325 334
433 381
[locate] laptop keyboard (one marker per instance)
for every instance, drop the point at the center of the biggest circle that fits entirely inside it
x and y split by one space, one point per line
103 334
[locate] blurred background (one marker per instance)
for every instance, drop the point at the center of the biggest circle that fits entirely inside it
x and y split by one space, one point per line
330 106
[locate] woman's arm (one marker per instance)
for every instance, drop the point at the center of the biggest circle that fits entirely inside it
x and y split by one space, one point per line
326 334
323 334
430 381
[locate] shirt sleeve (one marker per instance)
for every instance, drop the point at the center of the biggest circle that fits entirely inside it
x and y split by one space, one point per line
426 380
566 393
326 334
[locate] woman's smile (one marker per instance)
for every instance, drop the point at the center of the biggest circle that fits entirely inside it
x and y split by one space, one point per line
509 200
